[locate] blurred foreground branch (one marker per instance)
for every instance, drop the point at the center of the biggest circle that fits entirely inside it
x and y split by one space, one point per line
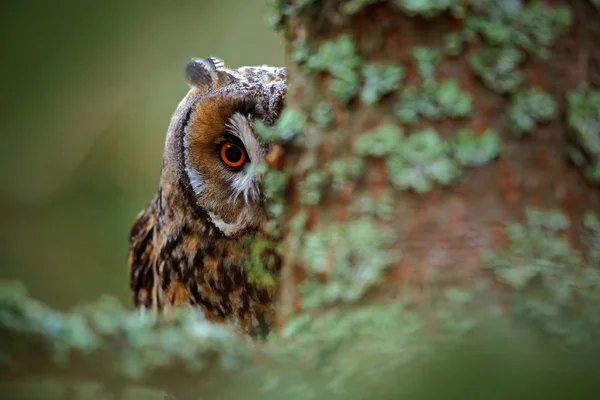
104 342
370 352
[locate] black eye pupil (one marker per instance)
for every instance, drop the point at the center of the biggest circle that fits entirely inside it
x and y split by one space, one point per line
233 153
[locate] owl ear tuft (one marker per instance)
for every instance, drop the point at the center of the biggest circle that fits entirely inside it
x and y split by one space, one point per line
206 73
201 72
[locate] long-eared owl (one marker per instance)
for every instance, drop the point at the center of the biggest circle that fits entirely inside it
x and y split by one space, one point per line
186 246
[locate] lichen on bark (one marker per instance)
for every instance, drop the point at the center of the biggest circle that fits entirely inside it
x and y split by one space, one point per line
452 109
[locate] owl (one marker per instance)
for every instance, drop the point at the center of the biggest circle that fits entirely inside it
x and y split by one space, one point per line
188 247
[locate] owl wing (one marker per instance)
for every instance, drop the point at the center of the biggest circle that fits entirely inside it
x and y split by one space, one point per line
141 256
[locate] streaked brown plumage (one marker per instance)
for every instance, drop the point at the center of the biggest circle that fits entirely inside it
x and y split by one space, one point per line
186 245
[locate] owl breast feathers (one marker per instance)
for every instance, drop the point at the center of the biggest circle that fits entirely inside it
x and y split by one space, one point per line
188 246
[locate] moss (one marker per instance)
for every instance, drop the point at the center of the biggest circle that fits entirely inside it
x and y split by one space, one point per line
343 261
434 101
583 118
422 160
498 67
340 59
380 79
473 150
529 108
383 140
552 285
322 114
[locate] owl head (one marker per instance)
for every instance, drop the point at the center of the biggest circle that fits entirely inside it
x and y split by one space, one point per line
213 156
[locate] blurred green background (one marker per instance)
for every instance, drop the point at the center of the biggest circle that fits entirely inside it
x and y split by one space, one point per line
87 92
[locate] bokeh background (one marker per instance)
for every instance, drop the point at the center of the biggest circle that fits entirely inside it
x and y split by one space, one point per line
87 91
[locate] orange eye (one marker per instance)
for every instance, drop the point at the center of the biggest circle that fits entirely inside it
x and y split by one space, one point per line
233 155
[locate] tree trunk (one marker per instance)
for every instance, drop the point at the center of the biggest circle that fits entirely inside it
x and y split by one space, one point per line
449 121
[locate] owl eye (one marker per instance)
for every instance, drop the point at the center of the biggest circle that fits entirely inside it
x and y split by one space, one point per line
232 155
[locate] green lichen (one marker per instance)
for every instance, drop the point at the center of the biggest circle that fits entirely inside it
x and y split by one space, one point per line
552 285
297 229
340 59
290 123
301 51
322 114
343 261
528 109
351 7
532 27
343 169
422 160
583 118
274 183
383 140
287 8
433 101
426 60
381 207
474 150
455 41
431 8
257 267
498 67
452 100
591 235
509 30
415 103
452 311
311 187
380 79
281 9
377 339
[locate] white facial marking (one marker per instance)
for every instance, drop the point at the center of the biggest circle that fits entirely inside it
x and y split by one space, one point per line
228 229
245 182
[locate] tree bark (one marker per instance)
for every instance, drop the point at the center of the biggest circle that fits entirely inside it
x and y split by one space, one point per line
443 224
